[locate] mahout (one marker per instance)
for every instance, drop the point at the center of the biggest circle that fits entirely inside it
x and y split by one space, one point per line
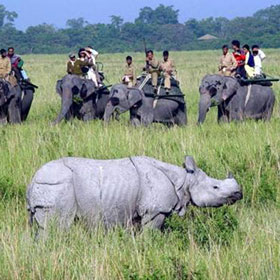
123 192
236 100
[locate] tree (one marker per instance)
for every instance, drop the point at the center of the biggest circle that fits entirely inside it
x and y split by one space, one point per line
161 15
117 22
78 23
6 17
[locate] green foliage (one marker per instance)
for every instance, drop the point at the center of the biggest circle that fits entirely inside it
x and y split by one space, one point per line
160 27
207 226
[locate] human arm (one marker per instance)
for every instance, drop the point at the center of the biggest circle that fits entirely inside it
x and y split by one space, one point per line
262 55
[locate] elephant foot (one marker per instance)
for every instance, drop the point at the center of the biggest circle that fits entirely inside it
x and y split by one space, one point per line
135 122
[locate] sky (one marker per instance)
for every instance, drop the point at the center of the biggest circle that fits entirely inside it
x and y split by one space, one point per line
57 12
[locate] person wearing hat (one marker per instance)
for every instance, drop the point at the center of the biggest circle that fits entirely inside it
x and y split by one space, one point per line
129 73
70 63
93 73
5 64
82 64
167 66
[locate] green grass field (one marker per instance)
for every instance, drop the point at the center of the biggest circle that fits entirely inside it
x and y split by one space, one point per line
237 242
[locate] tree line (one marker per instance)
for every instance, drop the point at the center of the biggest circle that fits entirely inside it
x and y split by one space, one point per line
159 27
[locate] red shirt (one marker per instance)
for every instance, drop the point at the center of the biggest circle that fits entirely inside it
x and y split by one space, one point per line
240 58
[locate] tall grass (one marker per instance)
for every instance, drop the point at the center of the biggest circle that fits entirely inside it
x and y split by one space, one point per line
238 242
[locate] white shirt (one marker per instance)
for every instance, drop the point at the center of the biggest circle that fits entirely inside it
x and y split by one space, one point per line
94 56
258 62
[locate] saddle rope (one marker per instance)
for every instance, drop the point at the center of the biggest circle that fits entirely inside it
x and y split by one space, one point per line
248 95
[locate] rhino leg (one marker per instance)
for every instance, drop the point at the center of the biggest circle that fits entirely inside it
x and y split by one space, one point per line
153 223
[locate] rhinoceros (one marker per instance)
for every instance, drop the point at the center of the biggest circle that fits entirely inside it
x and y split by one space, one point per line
122 192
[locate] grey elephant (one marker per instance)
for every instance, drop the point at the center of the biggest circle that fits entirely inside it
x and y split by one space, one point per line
80 98
145 107
129 191
10 103
235 101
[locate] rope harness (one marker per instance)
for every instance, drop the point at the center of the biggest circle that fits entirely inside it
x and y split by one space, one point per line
248 95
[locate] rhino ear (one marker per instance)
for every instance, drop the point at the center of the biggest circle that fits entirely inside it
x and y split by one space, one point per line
190 164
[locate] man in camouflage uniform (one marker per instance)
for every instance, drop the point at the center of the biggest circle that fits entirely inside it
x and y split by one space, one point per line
152 67
167 66
5 64
82 63
70 63
129 77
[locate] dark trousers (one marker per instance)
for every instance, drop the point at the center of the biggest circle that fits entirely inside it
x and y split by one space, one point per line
241 71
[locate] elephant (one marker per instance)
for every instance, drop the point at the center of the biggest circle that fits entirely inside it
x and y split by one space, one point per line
135 191
235 101
145 108
80 98
10 103
28 90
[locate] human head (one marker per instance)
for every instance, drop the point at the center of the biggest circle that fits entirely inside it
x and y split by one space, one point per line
150 54
129 60
11 51
88 50
235 45
246 48
81 53
225 49
255 49
3 53
72 56
165 55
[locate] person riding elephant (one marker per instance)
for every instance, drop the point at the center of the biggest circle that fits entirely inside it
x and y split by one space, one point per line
235 101
18 76
144 107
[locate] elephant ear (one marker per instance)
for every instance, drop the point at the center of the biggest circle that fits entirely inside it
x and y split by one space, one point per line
190 164
134 96
87 89
230 87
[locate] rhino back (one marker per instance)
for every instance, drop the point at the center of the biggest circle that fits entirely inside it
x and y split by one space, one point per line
105 188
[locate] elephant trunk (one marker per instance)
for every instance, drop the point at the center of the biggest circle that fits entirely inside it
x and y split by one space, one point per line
109 110
66 103
204 105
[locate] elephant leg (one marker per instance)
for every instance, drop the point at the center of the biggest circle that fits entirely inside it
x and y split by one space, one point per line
14 110
3 116
134 120
222 114
147 119
181 116
269 109
154 223
26 103
88 110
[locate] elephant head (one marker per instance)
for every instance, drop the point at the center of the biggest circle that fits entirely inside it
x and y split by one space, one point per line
122 99
70 86
214 90
205 191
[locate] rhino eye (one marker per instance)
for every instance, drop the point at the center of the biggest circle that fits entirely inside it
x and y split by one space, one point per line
215 187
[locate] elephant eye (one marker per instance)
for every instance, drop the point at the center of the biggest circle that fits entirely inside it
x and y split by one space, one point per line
215 187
